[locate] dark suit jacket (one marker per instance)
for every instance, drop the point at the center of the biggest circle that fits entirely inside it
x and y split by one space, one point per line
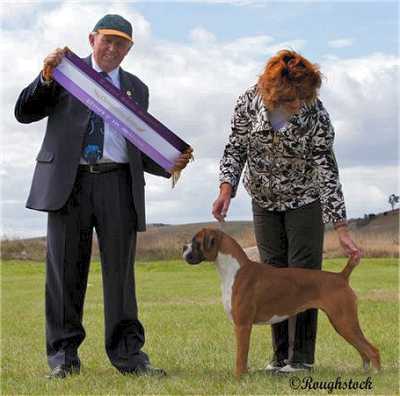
58 159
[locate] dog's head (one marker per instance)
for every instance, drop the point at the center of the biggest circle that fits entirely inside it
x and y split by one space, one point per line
204 246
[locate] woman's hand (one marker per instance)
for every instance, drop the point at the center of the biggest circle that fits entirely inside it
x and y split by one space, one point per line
221 204
347 243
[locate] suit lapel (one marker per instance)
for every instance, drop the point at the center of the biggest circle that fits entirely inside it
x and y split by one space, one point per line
88 60
126 84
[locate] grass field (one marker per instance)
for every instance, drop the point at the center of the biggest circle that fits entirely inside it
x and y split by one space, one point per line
189 335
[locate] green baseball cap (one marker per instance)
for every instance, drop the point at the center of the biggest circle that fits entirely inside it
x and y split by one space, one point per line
112 24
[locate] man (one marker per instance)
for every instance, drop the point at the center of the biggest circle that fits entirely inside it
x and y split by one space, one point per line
89 176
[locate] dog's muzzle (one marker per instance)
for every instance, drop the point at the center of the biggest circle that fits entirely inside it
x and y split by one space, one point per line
192 255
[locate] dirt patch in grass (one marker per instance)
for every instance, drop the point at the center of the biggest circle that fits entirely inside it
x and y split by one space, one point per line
380 295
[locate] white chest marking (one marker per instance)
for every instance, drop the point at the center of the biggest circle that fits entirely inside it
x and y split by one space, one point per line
273 320
227 267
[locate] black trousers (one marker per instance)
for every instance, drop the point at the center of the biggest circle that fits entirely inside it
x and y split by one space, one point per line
103 202
292 238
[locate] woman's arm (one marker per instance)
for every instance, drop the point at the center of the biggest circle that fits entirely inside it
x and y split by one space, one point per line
235 153
331 195
327 173
234 158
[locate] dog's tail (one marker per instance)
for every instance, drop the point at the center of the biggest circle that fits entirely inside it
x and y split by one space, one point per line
353 261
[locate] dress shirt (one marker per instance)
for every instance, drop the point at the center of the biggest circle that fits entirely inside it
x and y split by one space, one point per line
114 149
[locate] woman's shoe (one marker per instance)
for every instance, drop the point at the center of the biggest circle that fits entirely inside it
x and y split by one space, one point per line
295 368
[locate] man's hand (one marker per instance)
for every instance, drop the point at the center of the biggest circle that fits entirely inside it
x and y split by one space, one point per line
347 243
221 204
182 160
51 62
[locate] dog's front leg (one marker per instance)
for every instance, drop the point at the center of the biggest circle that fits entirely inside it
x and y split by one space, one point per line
242 348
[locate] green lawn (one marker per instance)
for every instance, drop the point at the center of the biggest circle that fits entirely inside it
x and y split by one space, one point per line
189 335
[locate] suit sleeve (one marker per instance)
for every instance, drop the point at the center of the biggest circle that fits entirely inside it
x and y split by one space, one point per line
153 168
36 101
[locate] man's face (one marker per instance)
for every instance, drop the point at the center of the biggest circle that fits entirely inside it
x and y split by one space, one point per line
108 51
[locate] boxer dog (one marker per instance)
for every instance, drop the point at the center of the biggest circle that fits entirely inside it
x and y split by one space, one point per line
255 293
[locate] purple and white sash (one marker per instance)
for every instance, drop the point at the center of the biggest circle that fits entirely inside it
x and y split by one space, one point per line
121 112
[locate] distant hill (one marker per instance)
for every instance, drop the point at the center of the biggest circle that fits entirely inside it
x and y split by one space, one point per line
379 233
382 223
376 234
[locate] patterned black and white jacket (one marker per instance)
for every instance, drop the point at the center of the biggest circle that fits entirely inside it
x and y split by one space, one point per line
287 168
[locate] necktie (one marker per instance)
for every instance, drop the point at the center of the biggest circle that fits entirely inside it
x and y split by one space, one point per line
93 141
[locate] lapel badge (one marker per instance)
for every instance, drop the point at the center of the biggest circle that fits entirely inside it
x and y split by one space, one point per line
129 93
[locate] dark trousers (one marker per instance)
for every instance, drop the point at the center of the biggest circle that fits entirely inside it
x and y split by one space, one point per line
292 238
103 202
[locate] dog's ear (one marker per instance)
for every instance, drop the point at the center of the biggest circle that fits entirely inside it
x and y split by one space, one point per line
209 241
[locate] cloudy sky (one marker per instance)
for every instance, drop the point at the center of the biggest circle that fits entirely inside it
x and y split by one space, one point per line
197 57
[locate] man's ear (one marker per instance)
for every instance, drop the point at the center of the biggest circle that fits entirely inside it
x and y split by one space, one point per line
91 39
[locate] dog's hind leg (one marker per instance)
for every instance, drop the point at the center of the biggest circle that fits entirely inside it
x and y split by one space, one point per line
343 317
242 348
353 334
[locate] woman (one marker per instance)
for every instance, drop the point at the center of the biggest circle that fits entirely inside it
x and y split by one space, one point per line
283 134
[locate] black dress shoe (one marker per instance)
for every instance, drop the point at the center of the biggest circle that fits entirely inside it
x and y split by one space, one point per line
146 369
63 371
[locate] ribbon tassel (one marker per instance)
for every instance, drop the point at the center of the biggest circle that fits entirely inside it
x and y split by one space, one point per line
175 177
176 173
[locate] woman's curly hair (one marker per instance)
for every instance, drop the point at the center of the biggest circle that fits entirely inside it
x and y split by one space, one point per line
289 76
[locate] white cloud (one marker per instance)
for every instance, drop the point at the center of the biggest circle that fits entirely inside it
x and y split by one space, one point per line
362 97
341 43
367 189
193 87
202 36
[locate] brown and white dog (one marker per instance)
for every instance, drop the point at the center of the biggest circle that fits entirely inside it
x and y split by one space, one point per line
255 293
